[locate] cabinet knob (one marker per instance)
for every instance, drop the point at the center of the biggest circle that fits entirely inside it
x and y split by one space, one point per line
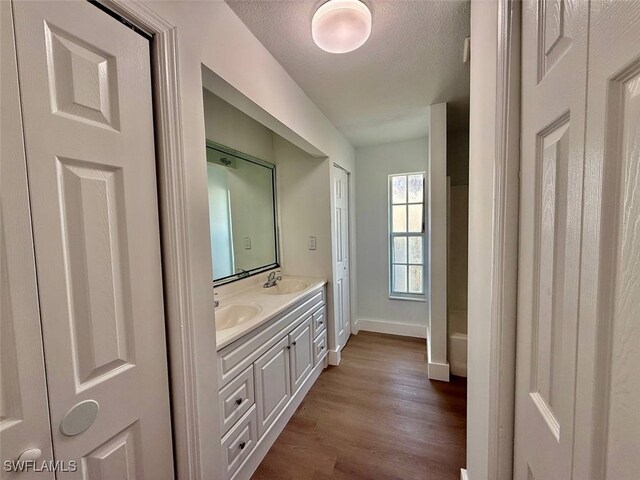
294 343
242 445
238 401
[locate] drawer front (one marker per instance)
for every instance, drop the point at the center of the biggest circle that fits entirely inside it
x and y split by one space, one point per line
239 442
320 348
319 320
234 358
236 399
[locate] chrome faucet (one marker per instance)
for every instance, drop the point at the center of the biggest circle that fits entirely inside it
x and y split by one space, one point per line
272 280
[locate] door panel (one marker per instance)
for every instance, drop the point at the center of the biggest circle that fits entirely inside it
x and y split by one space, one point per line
554 36
608 388
578 360
273 384
341 289
24 411
86 89
301 341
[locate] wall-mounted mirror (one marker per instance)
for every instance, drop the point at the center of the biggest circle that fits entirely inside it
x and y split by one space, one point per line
242 213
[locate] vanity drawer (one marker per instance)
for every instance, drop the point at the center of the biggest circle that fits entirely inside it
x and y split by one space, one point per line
319 348
239 442
234 358
319 320
236 399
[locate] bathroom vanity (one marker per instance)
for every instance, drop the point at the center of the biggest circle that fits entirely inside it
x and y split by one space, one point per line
272 346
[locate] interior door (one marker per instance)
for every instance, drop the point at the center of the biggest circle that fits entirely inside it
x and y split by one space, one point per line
301 341
608 387
341 289
86 95
578 388
24 412
554 57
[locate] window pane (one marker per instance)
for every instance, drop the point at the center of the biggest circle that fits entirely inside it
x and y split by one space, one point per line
399 218
415 279
415 218
400 249
399 189
400 278
415 188
415 250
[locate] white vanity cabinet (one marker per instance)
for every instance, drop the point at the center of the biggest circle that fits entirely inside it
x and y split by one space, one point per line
264 375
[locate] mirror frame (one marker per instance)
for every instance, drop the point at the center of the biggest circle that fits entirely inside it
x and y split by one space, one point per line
244 156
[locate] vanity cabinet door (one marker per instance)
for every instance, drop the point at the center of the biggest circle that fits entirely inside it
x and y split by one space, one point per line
301 341
273 388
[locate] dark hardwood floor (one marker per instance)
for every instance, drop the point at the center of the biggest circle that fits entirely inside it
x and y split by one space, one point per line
376 416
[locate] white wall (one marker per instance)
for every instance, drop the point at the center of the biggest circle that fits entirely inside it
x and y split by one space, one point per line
209 34
375 310
225 124
437 244
303 202
457 277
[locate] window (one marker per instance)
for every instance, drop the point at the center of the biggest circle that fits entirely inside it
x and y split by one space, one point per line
406 236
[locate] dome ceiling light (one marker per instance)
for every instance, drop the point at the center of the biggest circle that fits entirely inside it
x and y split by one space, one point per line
341 26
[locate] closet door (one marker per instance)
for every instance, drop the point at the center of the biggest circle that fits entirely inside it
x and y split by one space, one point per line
24 413
88 121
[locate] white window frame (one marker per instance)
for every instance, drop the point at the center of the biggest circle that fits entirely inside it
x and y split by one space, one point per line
420 297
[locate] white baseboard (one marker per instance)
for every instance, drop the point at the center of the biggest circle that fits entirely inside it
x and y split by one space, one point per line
334 357
253 461
463 474
438 371
393 328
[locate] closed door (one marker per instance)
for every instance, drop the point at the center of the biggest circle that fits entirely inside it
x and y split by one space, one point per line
301 341
341 299
86 95
577 359
273 384
24 411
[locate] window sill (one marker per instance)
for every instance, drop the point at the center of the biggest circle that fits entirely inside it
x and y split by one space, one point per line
410 299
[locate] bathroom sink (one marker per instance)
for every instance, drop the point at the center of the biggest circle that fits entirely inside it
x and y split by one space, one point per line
234 315
285 287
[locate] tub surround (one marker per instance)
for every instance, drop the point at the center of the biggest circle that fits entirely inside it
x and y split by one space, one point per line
269 305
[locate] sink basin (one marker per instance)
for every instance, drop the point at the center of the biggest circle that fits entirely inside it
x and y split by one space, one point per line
234 315
285 287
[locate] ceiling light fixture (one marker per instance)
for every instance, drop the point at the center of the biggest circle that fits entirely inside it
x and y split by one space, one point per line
341 26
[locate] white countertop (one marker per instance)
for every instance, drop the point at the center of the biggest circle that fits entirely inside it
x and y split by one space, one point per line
271 305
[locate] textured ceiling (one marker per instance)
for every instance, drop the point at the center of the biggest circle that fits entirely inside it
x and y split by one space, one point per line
380 92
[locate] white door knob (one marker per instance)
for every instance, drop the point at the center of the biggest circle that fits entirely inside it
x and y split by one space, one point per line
30 455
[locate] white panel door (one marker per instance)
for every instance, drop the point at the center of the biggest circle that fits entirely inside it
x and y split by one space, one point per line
24 412
342 303
273 384
554 54
301 341
88 122
608 388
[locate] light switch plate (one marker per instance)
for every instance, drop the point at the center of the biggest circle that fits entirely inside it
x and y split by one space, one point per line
247 243
312 243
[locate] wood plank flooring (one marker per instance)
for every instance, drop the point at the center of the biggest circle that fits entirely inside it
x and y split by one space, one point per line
376 416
